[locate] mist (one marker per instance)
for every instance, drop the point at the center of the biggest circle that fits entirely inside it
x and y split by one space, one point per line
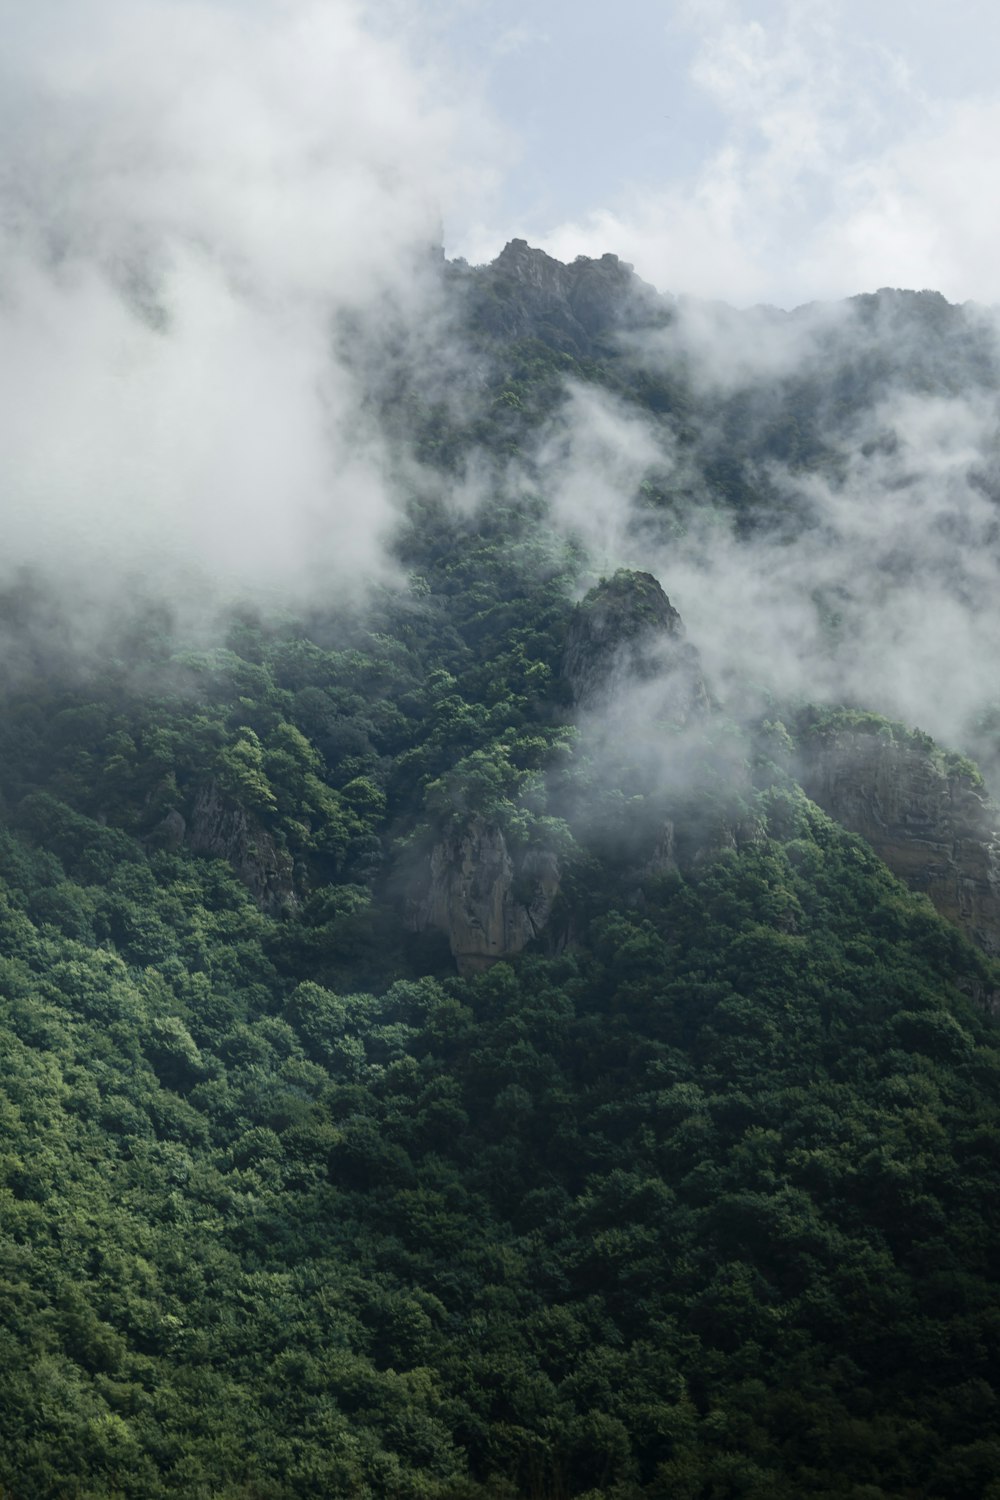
194 196
866 576
198 200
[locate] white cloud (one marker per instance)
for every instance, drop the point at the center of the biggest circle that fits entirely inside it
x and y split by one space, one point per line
837 173
191 194
925 213
885 596
590 463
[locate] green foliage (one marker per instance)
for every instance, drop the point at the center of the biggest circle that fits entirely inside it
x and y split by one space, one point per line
703 1206
822 723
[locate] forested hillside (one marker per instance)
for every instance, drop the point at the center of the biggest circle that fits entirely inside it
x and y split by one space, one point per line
446 1052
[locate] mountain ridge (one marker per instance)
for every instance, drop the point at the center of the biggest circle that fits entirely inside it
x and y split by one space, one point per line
447 1054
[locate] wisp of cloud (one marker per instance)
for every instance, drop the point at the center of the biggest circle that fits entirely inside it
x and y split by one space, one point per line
193 194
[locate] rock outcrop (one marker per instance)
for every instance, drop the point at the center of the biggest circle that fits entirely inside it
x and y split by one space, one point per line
169 833
574 308
625 641
924 813
488 904
223 829
624 633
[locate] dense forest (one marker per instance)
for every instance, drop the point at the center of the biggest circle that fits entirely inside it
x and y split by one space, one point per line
446 1052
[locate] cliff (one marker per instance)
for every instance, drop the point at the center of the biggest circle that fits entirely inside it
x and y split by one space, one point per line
926 814
221 828
488 904
624 637
576 308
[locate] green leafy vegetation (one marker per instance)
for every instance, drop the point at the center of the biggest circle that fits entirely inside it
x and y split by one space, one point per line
692 1198
706 1205
703 1206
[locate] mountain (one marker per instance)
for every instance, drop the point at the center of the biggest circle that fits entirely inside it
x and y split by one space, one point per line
529 1031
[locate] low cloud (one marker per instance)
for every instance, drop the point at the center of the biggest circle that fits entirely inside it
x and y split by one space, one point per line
193 196
199 203
874 577
596 452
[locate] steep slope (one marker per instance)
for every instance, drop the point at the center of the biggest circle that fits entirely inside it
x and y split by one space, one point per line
926 814
611 1222
472 892
623 639
626 632
682 1185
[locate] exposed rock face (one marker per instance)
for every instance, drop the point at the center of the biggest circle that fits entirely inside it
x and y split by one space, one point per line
624 632
526 293
930 823
223 829
625 635
719 836
489 907
169 833
663 859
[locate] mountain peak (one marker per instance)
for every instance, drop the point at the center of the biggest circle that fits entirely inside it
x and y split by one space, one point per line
575 307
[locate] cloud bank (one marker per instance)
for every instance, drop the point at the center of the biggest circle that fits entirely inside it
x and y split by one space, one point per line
192 195
195 197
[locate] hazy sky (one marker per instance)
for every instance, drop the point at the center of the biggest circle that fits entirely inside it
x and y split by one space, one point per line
779 150
752 150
